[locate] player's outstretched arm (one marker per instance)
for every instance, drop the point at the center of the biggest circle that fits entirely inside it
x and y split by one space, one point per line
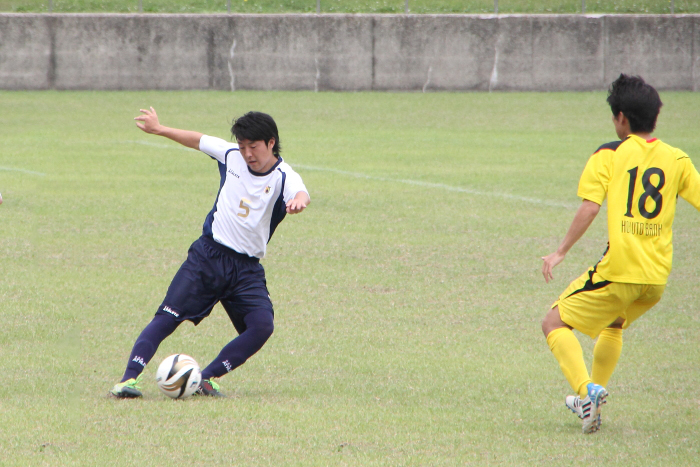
152 125
582 220
298 203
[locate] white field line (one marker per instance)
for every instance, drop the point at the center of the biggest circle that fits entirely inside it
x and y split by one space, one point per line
440 186
12 169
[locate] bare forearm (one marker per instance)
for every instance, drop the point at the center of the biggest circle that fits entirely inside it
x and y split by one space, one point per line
583 219
185 137
148 122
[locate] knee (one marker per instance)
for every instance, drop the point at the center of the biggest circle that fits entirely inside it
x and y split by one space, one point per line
546 327
267 329
545 324
263 328
552 321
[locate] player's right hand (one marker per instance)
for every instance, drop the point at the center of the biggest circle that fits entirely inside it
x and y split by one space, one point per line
150 121
548 264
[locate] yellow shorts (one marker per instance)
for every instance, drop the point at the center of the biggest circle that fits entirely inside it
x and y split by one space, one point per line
590 303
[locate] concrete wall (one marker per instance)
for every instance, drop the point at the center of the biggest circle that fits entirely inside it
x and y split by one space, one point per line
347 52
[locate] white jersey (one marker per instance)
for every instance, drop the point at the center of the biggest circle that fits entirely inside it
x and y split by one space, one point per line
249 205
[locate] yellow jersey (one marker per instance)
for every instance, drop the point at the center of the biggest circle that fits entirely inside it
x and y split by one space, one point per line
641 180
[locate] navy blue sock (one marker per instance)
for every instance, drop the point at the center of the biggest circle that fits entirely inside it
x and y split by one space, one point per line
259 327
147 344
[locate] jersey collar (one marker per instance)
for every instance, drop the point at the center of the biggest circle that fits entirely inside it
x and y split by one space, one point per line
638 138
258 174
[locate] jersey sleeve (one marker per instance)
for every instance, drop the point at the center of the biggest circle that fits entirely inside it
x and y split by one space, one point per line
293 185
216 148
689 184
595 178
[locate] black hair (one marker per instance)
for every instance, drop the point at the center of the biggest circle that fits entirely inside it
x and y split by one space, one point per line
257 126
637 100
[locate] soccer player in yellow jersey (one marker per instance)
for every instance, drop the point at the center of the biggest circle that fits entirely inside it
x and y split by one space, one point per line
641 177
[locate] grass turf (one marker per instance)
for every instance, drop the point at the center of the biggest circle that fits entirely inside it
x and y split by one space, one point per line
351 6
408 296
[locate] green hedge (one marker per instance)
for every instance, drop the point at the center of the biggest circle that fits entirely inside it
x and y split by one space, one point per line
350 6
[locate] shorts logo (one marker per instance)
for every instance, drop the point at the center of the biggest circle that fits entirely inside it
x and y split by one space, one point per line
171 311
139 360
227 365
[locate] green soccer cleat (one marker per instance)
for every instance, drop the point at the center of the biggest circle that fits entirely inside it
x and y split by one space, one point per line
128 389
208 388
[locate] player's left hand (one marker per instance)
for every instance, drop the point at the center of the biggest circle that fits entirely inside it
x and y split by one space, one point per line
150 121
295 206
550 261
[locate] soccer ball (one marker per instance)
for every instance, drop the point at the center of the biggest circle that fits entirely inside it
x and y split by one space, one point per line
178 376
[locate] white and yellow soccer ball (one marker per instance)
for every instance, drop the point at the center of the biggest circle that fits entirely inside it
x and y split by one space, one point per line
178 376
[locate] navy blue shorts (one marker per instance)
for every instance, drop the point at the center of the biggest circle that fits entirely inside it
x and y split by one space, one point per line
214 273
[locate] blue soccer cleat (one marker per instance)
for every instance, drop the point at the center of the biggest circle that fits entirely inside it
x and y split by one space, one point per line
591 407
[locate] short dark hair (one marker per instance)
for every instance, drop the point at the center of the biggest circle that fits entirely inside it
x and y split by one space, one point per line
637 100
257 126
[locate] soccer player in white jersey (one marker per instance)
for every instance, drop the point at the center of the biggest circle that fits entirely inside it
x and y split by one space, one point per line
223 266
641 177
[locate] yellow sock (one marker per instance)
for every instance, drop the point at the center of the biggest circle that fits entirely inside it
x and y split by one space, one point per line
567 350
606 353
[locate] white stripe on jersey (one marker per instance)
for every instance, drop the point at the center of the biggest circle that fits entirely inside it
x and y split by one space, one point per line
249 206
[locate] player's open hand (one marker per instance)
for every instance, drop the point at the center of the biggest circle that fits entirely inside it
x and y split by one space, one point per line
150 121
550 261
295 206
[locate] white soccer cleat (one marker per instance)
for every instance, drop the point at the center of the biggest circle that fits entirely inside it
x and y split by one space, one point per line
591 407
573 403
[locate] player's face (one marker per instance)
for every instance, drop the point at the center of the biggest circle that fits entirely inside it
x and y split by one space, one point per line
257 154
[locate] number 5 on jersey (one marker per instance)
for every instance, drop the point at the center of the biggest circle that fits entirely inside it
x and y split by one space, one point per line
246 209
650 191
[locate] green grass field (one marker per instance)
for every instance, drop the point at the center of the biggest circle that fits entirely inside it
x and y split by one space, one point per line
408 296
351 6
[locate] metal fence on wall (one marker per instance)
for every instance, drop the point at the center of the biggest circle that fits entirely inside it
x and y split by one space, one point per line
407 6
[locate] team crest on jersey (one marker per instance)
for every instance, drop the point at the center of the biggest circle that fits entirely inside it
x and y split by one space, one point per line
267 190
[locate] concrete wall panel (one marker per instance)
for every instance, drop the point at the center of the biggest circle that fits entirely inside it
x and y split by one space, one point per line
347 52
433 52
132 52
548 53
345 57
273 53
513 55
567 52
25 52
301 52
659 48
